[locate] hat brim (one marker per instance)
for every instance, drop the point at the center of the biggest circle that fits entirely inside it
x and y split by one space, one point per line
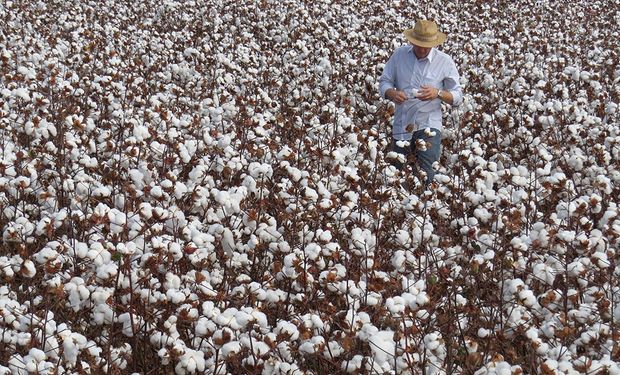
441 37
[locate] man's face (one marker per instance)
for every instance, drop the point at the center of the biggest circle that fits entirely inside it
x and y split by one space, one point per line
421 52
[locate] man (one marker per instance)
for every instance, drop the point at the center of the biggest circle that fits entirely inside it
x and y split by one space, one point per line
418 78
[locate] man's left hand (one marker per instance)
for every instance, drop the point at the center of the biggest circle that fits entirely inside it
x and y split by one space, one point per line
427 92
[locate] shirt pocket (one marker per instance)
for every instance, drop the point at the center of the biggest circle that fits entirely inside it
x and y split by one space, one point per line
434 79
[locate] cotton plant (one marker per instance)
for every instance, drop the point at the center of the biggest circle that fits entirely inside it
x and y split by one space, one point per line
219 188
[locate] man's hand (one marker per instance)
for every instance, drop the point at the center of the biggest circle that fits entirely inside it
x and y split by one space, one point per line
397 96
428 92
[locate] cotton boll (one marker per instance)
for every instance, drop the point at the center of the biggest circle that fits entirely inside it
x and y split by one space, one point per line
107 271
382 347
250 183
156 192
228 242
129 323
28 269
72 344
308 347
261 349
231 348
141 132
422 299
482 214
22 93
600 259
180 189
373 299
77 293
566 236
190 362
240 320
175 250
544 273
395 305
311 195
353 365
16 365
118 220
403 238
483 332
324 236
146 210
363 240
398 260
287 330
224 141
172 281
585 76
259 171
312 251
528 298
431 341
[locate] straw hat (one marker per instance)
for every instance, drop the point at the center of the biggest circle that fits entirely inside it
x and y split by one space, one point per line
425 34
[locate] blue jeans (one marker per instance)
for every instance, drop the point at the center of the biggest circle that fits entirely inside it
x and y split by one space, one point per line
424 158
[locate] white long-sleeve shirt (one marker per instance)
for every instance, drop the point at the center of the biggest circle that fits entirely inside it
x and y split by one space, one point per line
404 71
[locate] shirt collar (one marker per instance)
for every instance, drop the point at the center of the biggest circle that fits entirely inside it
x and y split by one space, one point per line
430 56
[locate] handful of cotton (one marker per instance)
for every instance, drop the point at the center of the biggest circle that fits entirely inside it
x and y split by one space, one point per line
413 93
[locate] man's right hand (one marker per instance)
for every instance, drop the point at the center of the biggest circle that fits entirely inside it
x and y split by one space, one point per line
397 96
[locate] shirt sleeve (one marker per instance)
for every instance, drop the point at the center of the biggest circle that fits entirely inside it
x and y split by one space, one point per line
388 77
452 84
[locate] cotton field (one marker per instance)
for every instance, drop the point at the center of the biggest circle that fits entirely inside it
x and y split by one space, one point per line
204 187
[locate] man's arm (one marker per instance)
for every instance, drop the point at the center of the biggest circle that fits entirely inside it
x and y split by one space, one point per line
452 93
387 82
